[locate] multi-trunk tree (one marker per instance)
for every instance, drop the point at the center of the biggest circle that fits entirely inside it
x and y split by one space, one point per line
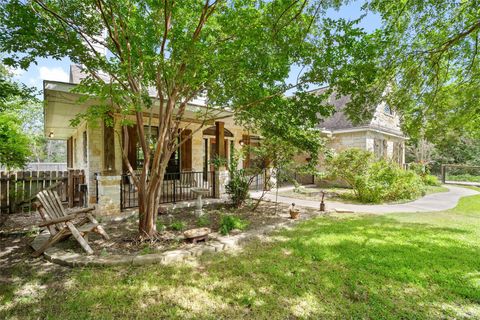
237 54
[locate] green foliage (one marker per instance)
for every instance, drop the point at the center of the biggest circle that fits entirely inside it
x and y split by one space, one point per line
160 226
429 63
375 181
239 182
203 221
463 177
430 180
348 165
230 222
178 225
15 146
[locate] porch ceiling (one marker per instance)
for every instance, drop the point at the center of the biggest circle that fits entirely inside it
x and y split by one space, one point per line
61 106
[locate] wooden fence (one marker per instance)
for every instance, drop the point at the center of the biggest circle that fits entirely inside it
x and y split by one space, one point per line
18 189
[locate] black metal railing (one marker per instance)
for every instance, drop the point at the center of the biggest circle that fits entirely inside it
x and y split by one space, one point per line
176 187
257 181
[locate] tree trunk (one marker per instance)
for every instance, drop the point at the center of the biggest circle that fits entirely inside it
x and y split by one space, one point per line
148 204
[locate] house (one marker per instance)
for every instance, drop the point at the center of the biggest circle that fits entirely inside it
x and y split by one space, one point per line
97 149
381 133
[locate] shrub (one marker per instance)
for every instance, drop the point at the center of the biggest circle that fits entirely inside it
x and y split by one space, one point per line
349 166
229 222
375 181
237 188
178 225
430 180
239 183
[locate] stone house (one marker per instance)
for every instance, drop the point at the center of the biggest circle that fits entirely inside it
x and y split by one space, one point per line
97 149
380 134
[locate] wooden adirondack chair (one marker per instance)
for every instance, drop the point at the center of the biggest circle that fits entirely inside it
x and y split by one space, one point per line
60 222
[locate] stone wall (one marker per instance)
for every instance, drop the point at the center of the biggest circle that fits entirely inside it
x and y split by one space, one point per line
385 119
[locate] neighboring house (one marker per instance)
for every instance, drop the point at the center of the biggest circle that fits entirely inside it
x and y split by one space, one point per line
96 148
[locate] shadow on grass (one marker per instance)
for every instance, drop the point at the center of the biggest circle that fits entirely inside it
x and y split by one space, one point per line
368 267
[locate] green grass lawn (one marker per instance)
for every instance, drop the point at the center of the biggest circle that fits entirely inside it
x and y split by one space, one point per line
397 266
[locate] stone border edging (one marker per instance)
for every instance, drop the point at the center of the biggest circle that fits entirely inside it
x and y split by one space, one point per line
224 243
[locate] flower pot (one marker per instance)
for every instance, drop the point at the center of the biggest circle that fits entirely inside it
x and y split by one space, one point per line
294 214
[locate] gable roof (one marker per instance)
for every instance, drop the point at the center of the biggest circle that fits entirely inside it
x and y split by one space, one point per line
339 121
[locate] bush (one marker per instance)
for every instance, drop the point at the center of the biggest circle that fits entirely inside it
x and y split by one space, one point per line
375 181
239 183
237 189
430 180
228 223
177 225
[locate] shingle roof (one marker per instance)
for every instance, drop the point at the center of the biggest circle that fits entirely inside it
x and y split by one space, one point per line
339 120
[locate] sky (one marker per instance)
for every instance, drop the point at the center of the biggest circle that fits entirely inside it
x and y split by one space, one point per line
58 70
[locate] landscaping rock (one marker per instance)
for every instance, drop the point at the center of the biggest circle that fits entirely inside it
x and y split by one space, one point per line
175 255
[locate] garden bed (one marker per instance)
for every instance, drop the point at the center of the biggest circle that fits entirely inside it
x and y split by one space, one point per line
123 234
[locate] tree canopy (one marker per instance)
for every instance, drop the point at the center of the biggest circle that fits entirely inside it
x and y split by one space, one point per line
428 64
16 102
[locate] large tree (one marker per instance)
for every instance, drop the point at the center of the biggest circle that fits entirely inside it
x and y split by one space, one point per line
429 67
238 54
15 143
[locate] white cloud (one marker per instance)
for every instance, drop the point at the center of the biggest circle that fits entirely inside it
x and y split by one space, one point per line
16 72
55 73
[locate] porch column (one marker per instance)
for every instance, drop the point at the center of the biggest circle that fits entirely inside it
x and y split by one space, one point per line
219 138
108 149
108 195
221 173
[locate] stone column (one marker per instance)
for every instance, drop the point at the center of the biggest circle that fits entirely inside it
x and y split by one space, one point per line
221 179
108 194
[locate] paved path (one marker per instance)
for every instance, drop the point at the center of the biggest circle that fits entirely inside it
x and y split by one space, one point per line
433 202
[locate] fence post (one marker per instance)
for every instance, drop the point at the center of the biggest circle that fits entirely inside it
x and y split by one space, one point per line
70 187
443 173
174 191
11 193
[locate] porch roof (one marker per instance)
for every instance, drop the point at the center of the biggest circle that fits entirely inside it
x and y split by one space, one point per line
61 105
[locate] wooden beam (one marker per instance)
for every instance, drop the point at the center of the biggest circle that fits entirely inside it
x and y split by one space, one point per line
108 148
219 139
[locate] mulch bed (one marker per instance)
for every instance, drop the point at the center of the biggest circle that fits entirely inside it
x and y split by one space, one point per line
123 234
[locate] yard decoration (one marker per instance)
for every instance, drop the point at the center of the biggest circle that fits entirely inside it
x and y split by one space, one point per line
294 213
196 235
322 204
63 224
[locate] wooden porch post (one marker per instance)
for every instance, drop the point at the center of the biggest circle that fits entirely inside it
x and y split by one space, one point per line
220 173
219 138
108 148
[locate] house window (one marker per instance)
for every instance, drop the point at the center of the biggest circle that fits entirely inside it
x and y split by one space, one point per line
85 146
151 136
387 109
380 147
